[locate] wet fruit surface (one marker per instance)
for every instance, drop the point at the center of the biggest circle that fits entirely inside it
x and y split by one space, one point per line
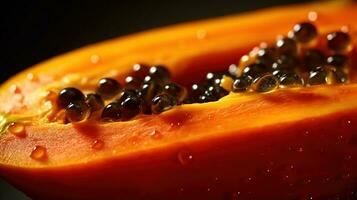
234 115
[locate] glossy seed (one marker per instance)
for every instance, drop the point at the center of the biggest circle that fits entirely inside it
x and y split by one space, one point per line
162 102
112 112
77 111
214 78
216 91
267 56
340 76
286 46
140 70
338 60
226 83
314 58
242 84
339 41
291 80
207 97
126 93
131 106
149 90
175 90
319 76
68 95
304 32
266 83
159 72
286 61
39 153
17 129
132 82
255 70
94 101
108 88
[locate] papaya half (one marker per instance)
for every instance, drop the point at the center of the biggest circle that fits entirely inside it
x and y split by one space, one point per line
268 142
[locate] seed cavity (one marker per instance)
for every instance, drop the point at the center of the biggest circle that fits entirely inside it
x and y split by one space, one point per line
292 61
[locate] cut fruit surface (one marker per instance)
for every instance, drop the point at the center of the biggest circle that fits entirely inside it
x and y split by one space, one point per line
62 137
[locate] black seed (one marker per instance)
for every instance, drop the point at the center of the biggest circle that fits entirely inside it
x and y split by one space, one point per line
149 90
94 101
267 56
196 91
318 76
340 76
112 112
255 70
208 97
280 72
338 41
108 88
175 90
151 79
286 46
242 83
314 58
189 100
286 61
162 102
214 78
159 72
132 82
291 80
69 95
265 83
338 60
131 106
304 32
126 93
77 111
140 71
216 91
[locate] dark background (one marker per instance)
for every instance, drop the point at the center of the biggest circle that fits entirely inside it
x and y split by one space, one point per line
32 31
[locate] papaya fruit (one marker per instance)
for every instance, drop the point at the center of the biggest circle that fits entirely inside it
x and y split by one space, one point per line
265 141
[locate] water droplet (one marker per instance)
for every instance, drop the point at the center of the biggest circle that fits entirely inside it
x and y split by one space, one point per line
201 34
156 135
300 150
312 16
94 59
14 89
98 144
208 189
185 157
17 129
31 77
235 196
39 153
348 157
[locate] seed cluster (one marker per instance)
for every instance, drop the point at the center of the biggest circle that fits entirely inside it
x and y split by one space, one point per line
290 62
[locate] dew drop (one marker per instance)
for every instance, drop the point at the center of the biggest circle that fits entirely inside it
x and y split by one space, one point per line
98 144
300 150
17 129
156 135
185 157
312 16
94 59
235 196
14 89
39 153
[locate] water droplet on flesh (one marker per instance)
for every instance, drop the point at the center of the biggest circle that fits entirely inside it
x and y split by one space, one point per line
156 135
98 144
39 153
17 129
185 157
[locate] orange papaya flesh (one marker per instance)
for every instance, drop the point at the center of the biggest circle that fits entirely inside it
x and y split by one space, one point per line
291 143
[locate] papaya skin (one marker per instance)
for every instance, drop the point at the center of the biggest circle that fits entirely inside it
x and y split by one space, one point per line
287 144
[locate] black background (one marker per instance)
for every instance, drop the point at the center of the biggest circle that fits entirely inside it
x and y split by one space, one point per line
32 31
